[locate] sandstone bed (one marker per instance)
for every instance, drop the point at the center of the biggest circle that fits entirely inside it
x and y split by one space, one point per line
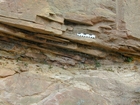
28 83
69 52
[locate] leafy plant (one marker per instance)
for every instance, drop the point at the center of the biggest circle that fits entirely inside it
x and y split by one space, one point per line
97 63
128 59
26 64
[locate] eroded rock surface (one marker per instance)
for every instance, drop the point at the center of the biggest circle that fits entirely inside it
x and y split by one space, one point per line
42 85
44 62
51 27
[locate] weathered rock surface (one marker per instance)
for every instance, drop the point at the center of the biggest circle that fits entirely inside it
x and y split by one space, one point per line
45 31
6 72
51 27
42 85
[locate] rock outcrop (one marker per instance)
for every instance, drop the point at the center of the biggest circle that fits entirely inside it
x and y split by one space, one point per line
36 29
51 50
42 85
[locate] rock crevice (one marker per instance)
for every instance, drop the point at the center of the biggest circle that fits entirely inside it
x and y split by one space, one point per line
39 25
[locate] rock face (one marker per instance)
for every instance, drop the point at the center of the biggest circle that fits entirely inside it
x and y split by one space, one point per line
51 27
69 33
42 85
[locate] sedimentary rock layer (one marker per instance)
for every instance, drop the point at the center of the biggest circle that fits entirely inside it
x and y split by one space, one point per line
52 27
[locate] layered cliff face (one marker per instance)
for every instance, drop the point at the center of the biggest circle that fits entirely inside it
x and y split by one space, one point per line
51 50
50 30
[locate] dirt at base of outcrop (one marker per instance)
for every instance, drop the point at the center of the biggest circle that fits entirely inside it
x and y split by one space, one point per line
28 83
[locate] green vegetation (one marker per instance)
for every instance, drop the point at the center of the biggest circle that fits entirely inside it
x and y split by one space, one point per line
109 69
25 64
97 63
50 67
128 59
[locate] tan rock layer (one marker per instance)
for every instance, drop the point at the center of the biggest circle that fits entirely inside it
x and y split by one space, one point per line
48 32
46 42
